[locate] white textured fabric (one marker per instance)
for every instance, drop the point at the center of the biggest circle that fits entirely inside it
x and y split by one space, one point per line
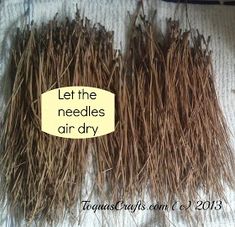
217 21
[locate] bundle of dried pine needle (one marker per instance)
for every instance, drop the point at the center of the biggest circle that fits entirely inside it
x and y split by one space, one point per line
43 175
170 136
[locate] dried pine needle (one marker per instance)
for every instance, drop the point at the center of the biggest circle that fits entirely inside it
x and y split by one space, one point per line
43 174
170 137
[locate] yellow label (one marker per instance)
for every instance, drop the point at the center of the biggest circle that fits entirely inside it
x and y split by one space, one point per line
77 112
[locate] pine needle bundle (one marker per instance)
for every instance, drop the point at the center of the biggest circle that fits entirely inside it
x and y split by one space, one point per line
42 174
179 139
199 149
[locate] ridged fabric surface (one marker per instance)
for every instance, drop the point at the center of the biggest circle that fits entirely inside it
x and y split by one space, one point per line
216 21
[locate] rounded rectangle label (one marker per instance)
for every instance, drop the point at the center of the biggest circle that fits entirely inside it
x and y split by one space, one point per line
77 112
